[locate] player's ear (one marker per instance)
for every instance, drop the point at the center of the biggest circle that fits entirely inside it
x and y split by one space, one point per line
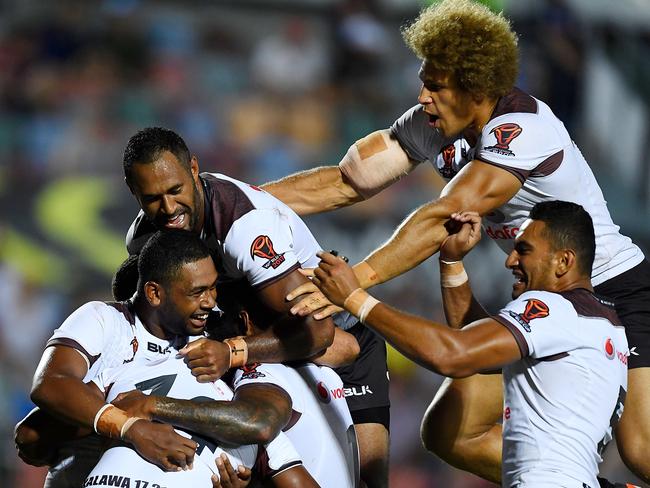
194 167
566 260
247 323
154 293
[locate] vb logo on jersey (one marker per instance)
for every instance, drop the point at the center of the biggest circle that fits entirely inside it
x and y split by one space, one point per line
535 309
262 247
504 134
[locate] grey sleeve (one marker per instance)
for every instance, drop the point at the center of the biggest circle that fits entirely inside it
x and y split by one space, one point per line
416 137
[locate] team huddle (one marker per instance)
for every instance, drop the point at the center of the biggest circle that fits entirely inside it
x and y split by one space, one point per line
238 353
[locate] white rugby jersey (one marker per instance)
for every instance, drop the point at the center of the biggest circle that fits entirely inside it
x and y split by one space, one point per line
525 138
321 427
107 334
564 397
168 375
252 235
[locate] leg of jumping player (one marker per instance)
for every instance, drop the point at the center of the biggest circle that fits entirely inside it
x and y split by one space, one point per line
461 426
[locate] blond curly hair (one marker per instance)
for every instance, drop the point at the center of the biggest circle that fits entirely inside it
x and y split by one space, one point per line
466 39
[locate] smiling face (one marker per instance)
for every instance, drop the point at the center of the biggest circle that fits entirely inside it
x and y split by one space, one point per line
189 298
451 109
169 194
533 261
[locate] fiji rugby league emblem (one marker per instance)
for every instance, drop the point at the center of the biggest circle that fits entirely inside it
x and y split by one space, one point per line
262 248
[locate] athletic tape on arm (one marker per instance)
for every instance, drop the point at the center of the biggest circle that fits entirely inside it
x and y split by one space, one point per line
375 162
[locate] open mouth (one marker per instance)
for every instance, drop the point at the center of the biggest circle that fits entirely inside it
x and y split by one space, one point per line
176 222
199 320
433 120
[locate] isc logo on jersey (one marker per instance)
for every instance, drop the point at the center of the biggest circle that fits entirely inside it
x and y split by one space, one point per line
262 247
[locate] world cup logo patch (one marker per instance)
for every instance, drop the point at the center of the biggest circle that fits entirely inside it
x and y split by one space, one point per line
504 134
262 247
535 309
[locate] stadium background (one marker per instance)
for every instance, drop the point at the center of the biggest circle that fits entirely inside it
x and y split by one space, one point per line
260 89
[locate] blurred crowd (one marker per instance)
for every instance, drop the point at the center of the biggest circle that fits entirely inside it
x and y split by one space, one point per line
258 90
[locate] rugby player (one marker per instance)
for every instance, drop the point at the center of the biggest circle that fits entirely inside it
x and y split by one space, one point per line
125 345
257 239
501 151
561 348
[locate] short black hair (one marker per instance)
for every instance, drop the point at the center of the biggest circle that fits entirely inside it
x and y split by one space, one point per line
125 280
233 298
165 253
146 146
568 226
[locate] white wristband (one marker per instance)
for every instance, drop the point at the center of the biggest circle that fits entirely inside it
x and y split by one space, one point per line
127 425
366 307
99 414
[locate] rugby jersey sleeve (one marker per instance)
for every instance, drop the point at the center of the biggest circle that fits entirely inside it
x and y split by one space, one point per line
541 324
88 329
521 143
277 456
261 245
416 137
257 373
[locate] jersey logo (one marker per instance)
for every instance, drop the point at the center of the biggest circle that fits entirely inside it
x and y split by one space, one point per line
134 345
504 133
153 347
610 350
323 392
535 309
262 247
448 154
251 373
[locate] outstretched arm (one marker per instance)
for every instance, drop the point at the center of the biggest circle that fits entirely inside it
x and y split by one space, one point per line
479 187
482 345
370 165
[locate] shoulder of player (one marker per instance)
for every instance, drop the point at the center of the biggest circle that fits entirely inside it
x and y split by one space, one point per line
546 304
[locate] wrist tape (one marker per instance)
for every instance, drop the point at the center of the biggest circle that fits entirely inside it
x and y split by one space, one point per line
112 422
238 351
452 274
360 303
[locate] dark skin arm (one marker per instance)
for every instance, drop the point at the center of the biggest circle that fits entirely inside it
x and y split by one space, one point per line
296 477
290 338
255 415
59 389
343 351
480 346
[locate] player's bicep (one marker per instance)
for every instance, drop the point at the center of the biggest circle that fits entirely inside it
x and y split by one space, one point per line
274 293
481 187
63 360
488 346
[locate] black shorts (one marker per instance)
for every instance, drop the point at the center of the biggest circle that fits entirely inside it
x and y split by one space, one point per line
630 292
365 381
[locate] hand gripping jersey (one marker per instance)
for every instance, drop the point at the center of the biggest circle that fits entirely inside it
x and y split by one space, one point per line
251 234
321 427
564 397
525 138
168 375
